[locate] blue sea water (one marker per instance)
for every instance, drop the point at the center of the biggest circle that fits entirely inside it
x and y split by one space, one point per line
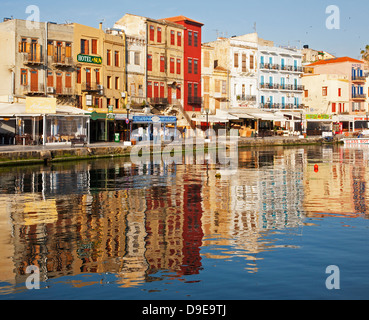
113 231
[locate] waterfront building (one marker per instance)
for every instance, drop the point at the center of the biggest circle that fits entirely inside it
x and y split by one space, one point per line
37 89
192 100
100 86
280 72
164 59
310 55
36 61
337 87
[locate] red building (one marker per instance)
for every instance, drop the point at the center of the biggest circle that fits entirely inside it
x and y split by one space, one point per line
192 60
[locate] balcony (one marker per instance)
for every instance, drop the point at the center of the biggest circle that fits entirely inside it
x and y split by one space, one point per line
358 79
270 66
64 91
158 101
288 68
32 58
246 98
194 100
270 86
281 106
359 97
93 87
38 89
62 61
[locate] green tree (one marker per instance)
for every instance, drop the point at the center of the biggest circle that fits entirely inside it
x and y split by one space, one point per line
365 53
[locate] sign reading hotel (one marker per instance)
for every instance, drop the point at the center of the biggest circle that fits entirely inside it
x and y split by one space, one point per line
40 105
89 59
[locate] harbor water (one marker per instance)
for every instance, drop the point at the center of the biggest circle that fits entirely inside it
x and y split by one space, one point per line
273 228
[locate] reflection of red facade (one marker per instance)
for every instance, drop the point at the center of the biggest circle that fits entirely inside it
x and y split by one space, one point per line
192 62
192 230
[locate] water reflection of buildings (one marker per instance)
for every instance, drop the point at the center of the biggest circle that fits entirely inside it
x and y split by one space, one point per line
103 218
340 185
265 194
154 222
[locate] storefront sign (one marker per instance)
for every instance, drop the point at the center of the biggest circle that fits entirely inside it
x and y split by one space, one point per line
154 119
318 117
40 105
89 59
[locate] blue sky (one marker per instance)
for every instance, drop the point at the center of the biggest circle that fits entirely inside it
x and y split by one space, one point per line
286 22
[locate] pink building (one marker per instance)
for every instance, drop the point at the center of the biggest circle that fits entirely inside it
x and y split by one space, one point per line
354 70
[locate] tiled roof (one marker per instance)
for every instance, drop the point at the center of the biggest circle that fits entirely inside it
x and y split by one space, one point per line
182 18
334 60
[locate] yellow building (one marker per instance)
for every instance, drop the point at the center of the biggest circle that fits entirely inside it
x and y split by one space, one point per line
101 86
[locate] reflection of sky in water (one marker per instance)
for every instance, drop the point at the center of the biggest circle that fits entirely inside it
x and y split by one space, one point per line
166 229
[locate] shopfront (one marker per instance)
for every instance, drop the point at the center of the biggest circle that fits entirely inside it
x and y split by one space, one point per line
143 128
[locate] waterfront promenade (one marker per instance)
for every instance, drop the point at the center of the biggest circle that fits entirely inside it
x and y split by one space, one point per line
19 154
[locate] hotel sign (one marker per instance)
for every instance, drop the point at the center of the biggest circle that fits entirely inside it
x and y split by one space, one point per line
318 116
89 59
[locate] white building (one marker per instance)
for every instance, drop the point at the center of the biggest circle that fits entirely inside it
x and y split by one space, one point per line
280 73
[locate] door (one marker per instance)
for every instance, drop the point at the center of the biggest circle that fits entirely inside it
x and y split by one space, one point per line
34 80
88 78
156 89
59 83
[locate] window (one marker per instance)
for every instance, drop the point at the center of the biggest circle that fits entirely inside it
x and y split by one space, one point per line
68 80
23 45
24 78
195 66
190 38
50 79
195 39
152 33
94 46
162 90
159 34
195 89
172 65
190 89
178 66
236 60
137 58
224 87
179 39
108 57
324 91
251 62
116 83
244 68
116 58
78 75
172 36
68 50
339 92
189 65
50 48
108 80
149 89
162 64
149 62
116 103
333 107
97 74
306 93
84 46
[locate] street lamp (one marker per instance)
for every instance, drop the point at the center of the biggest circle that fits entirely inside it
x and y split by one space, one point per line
301 124
128 108
367 116
207 123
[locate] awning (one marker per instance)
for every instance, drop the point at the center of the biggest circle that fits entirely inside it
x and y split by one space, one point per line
19 109
211 119
268 116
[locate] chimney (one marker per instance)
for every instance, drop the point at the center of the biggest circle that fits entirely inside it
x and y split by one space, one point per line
100 25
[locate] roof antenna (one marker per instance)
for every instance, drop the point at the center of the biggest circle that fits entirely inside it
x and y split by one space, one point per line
255 27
